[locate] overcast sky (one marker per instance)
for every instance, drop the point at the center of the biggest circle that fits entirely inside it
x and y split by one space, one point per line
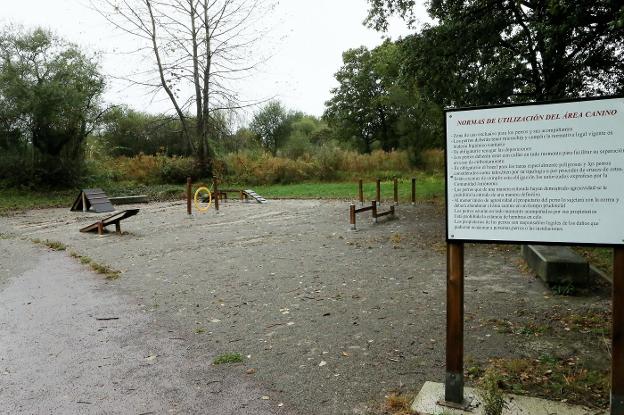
305 44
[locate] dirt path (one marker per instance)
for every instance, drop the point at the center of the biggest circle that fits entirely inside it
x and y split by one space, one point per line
71 346
330 320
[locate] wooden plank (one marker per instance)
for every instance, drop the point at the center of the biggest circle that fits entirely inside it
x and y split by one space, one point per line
127 200
111 220
390 212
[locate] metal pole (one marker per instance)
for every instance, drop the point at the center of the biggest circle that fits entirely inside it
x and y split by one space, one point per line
454 382
413 191
361 192
617 364
378 191
396 191
352 216
189 190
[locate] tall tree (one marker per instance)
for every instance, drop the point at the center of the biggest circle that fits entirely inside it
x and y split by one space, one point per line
198 48
361 105
487 51
271 125
49 95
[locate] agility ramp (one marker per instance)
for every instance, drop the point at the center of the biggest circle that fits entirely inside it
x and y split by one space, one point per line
111 220
94 199
250 193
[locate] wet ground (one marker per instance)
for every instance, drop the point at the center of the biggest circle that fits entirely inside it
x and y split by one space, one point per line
328 320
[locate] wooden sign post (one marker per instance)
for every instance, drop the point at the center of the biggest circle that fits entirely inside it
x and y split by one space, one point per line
454 382
617 364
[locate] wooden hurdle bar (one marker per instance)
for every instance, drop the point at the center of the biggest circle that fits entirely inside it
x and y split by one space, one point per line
353 211
378 191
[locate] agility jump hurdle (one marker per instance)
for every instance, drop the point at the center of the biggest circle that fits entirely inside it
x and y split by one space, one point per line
217 195
378 191
373 208
213 196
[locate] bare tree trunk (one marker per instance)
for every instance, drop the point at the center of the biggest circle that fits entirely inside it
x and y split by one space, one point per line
200 46
163 81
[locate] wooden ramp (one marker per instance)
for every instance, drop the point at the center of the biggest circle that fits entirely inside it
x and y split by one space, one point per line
94 199
111 220
255 196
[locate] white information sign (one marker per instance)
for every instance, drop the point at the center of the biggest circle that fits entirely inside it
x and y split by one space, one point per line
537 173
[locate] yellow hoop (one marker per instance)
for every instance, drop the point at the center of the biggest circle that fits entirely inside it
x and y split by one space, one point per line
201 209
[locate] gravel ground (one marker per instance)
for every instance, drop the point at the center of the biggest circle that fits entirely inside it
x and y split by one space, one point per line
329 320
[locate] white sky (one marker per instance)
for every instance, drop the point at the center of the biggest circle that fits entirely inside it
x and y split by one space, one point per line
305 45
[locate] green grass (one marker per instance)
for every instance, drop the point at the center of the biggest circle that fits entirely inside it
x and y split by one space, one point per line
228 358
427 187
12 200
108 272
53 245
17 199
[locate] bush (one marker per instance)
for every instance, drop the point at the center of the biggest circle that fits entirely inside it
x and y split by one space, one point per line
328 163
433 160
177 169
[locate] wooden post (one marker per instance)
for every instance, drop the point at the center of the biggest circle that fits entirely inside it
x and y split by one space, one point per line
215 193
617 364
374 203
396 191
378 191
454 382
100 226
118 227
352 216
84 202
361 192
413 191
189 196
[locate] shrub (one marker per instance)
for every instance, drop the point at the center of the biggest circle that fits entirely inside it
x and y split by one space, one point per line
433 160
177 169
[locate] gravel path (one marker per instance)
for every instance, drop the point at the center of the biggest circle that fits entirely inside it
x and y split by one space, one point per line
329 320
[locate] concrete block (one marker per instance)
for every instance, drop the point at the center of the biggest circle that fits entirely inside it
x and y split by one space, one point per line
428 403
557 265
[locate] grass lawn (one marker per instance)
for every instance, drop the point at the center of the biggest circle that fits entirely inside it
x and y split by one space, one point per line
427 187
12 200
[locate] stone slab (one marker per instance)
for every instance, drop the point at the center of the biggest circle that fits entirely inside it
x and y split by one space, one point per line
426 403
557 265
